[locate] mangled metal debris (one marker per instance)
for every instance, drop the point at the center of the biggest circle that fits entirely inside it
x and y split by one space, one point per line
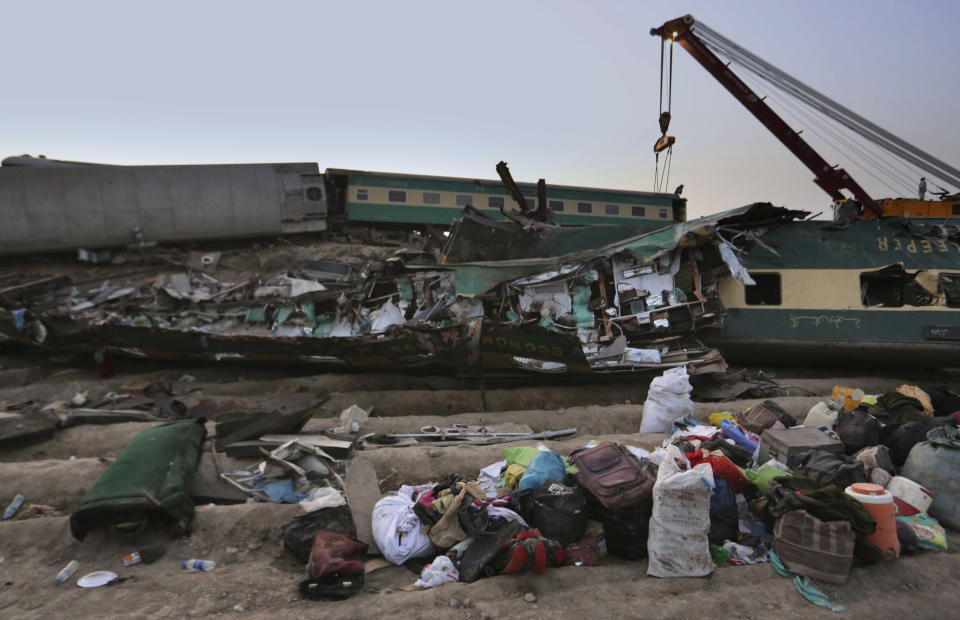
292 473
611 299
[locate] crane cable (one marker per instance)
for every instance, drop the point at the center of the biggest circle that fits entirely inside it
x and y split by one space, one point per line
661 182
803 117
829 108
899 173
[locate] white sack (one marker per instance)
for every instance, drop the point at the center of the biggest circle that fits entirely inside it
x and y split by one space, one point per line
677 544
820 415
397 530
667 400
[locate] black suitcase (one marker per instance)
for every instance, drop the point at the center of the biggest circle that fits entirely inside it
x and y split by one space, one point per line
624 531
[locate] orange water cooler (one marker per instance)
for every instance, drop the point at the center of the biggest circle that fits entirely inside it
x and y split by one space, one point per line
879 503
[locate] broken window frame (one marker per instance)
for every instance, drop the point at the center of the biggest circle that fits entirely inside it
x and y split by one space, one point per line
902 288
950 292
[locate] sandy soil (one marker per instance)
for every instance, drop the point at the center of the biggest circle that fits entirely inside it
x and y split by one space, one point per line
255 573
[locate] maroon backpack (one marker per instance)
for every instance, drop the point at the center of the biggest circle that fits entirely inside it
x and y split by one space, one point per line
616 479
335 568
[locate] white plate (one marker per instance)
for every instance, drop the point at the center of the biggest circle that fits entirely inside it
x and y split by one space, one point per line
96 578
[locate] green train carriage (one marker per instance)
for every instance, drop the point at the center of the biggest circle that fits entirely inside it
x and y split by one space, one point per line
389 199
873 291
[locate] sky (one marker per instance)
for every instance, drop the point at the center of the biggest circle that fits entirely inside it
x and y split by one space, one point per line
566 91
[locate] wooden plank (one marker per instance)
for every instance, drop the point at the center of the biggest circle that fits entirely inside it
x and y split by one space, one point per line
321 441
362 491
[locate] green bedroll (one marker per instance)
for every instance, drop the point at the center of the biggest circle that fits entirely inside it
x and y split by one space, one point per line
149 480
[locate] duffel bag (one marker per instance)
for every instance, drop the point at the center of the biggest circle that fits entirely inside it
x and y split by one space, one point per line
760 417
811 547
857 430
335 569
299 534
558 512
829 468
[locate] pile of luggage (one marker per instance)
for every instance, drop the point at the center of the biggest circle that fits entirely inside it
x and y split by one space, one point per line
847 485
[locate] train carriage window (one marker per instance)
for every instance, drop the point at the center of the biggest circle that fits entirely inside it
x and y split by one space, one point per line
464 200
638 211
948 285
766 292
396 195
611 209
555 205
584 207
664 214
495 202
431 198
363 193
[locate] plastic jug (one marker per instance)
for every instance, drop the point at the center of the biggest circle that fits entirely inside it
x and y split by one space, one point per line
847 396
879 503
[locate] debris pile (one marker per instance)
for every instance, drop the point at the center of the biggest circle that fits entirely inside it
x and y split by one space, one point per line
597 299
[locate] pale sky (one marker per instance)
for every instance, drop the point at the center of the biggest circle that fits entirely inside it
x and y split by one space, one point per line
563 90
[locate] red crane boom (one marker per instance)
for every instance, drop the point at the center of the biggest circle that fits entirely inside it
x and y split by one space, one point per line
830 178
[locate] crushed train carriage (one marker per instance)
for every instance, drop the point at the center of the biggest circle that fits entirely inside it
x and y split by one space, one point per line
568 301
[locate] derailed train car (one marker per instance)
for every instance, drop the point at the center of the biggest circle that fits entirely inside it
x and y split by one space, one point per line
50 205
751 284
868 291
603 299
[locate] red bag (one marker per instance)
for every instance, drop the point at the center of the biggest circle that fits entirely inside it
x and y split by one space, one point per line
335 568
528 551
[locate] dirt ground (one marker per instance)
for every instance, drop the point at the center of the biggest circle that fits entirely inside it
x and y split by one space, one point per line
256 577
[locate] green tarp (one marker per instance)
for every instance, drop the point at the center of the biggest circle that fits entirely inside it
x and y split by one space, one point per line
161 461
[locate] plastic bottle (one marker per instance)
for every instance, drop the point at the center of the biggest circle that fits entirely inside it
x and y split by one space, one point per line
14 506
68 570
199 565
